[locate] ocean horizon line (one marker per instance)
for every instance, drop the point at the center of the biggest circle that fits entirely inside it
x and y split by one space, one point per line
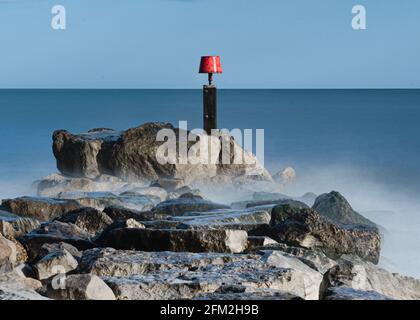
219 89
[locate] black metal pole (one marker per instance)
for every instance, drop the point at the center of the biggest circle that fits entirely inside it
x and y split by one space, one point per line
210 108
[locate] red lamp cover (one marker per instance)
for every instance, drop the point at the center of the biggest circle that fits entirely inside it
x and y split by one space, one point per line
210 64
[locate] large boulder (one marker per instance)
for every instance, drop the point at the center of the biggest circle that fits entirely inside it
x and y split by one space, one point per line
132 156
337 209
175 240
359 275
43 209
308 229
81 287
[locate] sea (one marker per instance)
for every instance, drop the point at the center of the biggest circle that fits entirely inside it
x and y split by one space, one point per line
362 143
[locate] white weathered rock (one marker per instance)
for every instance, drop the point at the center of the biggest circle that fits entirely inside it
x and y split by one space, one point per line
13 227
356 274
8 254
82 287
17 287
310 279
315 259
171 275
184 284
60 261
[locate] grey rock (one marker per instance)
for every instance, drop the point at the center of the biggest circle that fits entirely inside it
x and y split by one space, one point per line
131 155
81 155
246 219
364 276
89 220
308 198
189 195
43 209
184 275
269 196
60 261
306 228
16 287
118 224
54 184
101 200
116 213
336 208
251 295
170 185
188 284
156 192
292 203
176 240
82 287
343 293
315 259
121 263
179 207
13 227
48 248
310 278
256 242
268 203
7 254
55 232
162 224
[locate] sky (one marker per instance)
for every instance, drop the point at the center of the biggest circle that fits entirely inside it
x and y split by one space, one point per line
158 44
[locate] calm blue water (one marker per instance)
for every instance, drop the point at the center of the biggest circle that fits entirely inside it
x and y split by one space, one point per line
364 143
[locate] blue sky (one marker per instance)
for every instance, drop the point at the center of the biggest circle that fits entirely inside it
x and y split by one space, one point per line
158 44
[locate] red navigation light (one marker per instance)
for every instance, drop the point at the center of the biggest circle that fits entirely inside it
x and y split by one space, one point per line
210 65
